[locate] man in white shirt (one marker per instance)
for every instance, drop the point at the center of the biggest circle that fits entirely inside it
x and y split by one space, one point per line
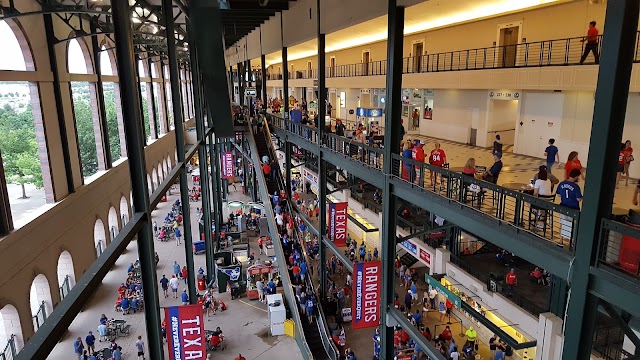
432 297
174 283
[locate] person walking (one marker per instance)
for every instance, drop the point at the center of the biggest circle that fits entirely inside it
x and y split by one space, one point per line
176 269
432 297
512 280
592 43
140 347
164 283
91 342
78 348
551 152
185 297
176 232
174 283
185 273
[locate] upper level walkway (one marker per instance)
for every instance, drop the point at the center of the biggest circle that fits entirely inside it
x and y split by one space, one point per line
554 52
505 209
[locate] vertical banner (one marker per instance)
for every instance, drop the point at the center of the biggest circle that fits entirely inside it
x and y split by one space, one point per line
367 282
338 223
185 332
227 165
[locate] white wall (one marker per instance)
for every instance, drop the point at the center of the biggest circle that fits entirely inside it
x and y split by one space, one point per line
542 116
452 114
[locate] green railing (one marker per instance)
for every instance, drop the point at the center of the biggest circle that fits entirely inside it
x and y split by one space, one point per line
40 317
10 350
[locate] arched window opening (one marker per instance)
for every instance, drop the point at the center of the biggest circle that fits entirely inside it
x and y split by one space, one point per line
106 64
40 301
11 329
124 211
154 178
99 237
13 54
114 229
78 58
66 274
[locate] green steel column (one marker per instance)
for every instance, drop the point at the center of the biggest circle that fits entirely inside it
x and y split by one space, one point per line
202 153
153 117
217 196
100 95
240 83
606 134
167 8
392 145
263 65
322 167
287 168
135 150
285 82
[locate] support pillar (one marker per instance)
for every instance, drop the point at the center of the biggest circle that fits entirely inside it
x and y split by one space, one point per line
263 69
102 112
151 102
202 154
163 109
287 167
135 148
167 7
392 144
609 113
241 83
285 82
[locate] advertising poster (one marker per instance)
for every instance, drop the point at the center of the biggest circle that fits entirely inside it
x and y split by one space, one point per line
227 165
338 223
367 282
185 332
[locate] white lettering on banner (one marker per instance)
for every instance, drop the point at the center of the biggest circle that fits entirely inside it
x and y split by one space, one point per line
359 296
371 294
175 329
341 224
191 328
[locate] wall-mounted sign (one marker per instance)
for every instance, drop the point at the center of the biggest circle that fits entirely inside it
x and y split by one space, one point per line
369 112
425 256
411 247
227 165
351 111
250 91
365 91
504 95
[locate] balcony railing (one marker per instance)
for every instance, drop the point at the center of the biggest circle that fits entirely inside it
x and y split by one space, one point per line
539 217
620 247
40 317
556 52
10 351
65 288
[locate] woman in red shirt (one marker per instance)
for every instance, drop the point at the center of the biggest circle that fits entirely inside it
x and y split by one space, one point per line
572 163
628 153
622 159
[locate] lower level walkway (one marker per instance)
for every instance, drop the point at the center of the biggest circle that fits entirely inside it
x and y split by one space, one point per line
245 324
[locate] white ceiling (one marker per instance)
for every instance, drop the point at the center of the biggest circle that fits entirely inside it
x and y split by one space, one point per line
427 15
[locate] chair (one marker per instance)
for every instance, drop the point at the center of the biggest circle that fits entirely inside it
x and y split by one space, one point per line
126 330
538 213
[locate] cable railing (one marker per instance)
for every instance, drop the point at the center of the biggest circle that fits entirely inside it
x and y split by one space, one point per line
619 247
541 217
555 52
10 350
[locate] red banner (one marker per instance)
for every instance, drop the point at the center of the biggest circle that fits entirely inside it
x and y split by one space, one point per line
185 332
338 223
367 282
227 165
425 256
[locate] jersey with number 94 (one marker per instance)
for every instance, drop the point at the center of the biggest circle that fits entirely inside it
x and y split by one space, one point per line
437 158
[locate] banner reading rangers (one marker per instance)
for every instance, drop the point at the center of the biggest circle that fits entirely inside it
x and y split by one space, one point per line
338 223
366 294
185 332
227 165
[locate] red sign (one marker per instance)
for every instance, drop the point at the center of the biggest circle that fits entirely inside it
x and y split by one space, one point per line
338 223
367 282
425 256
227 165
185 332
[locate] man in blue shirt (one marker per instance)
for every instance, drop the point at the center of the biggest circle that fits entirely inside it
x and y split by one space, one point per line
78 347
124 304
492 174
185 297
551 152
417 317
91 341
569 191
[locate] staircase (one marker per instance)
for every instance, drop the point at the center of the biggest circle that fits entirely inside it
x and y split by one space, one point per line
408 260
263 149
312 335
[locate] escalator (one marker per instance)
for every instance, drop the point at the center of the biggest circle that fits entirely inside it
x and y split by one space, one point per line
315 335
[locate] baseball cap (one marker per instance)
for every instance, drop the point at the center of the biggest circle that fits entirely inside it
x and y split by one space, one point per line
422 142
542 168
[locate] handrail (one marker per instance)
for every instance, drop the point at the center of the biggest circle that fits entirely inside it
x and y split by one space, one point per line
326 340
553 52
539 217
10 350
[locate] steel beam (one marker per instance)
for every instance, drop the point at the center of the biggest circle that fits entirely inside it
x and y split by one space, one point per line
287 167
609 113
401 319
137 169
616 288
202 155
392 143
179 133
285 81
153 117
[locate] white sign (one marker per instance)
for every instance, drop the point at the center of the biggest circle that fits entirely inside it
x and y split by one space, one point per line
504 95
343 99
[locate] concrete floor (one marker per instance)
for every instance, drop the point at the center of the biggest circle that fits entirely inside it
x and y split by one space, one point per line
245 323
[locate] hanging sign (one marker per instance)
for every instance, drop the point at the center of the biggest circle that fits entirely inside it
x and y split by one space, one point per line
227 165
338 223
185 332
366 302
504 95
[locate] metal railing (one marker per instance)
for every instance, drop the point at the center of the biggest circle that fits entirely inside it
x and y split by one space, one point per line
555 52
10 350
99 248
65 288
619 247
540 217
40 317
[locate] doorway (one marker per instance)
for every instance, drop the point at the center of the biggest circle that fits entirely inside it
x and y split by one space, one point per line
365 62
540 121
508 45
332 66
418 49
292 74
309 70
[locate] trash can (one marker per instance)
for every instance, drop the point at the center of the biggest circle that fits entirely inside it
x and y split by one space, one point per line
202 284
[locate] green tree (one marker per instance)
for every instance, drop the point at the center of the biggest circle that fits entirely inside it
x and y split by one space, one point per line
112 121
84 128
19 148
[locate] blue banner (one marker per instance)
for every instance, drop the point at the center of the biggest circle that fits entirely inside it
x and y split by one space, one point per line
410 246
